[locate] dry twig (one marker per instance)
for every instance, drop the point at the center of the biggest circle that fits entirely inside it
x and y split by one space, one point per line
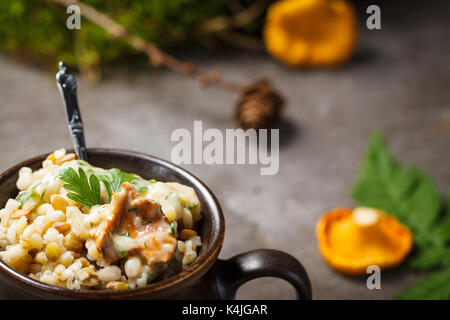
251 117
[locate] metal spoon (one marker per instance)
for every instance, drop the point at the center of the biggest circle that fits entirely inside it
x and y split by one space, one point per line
68 89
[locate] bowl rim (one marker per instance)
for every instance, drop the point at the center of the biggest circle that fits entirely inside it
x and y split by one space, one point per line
195 271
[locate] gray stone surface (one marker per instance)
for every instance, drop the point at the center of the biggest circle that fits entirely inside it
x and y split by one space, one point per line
398 82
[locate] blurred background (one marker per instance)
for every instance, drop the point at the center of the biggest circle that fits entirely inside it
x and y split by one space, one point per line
341 82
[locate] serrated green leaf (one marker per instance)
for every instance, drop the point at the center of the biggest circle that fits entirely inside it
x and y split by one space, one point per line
441 233
433 287
95 186
407 194
114 178
432 257
79 199
411 196
83 191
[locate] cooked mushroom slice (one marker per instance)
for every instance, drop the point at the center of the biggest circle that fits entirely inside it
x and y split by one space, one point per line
114 212
135 225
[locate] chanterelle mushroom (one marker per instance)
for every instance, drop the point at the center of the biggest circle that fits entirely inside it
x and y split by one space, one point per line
134 226
351 240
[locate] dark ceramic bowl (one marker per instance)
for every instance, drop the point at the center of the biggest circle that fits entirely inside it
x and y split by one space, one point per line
207 278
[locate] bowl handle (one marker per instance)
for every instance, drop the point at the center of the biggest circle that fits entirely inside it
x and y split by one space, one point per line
250 265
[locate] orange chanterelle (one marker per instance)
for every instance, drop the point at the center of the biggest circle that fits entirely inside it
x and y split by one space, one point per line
352 240
311 33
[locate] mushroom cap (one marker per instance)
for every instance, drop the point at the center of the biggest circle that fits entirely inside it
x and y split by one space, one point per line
311 32
351 240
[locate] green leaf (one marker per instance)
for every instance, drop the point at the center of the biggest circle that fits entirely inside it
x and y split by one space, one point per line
83 191
441 233
107 184
114 178
411 196
432 257
433 287
405 193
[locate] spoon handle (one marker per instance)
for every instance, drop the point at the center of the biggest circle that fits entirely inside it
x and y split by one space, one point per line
68 89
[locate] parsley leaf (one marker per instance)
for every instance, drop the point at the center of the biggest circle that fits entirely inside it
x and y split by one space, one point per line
114 178
83 191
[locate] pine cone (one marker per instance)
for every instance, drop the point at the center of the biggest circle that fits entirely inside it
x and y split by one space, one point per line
259 106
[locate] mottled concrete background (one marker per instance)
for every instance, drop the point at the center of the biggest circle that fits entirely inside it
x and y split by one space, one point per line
398 82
